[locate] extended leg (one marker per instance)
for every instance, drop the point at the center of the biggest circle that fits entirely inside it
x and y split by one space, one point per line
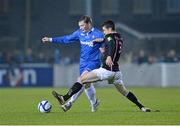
121 88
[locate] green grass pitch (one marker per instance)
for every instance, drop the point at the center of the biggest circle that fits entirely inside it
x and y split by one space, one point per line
19 106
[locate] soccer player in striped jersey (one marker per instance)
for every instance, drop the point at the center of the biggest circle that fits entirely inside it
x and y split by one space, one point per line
109 70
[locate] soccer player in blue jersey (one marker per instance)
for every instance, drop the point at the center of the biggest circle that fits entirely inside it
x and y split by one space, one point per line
89 55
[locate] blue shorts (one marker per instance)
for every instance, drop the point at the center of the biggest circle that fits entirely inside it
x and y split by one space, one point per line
89 66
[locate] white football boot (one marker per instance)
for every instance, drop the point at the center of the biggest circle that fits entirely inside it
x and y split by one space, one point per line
94 106
144 109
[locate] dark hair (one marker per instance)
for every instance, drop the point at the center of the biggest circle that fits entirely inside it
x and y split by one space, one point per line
109 24
86 19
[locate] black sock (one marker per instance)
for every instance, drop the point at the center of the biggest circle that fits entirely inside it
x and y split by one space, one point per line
73 90
133 98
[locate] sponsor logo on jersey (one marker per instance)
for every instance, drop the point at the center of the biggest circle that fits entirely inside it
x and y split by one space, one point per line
90 43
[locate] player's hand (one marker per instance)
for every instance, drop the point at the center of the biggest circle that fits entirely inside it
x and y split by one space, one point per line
46 39
109 61
98 40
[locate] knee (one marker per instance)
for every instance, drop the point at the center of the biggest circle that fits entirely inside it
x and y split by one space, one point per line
87 86
81 79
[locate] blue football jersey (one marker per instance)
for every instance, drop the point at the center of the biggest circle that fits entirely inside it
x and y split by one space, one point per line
89 50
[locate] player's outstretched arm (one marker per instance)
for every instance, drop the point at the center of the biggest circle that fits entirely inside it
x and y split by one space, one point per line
46 39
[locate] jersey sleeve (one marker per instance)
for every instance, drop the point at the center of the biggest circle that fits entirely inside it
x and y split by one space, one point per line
67 38
100 35
110 45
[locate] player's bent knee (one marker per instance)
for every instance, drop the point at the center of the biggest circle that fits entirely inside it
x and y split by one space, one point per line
83 80
87 85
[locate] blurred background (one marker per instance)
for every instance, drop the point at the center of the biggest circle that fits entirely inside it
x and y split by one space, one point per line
150 30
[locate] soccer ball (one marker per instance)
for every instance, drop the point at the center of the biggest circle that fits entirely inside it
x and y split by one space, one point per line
44 106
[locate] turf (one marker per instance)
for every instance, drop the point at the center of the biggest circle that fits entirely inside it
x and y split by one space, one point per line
19 106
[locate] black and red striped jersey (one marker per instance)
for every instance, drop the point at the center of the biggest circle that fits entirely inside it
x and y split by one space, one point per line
113 47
